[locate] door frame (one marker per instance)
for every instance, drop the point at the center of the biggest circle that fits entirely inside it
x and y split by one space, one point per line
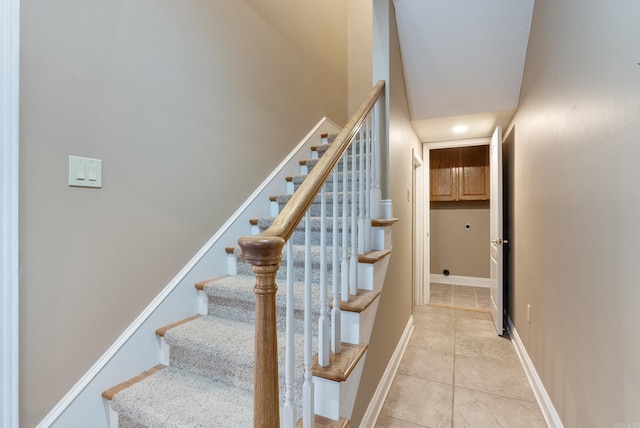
9 162
426 148
420 287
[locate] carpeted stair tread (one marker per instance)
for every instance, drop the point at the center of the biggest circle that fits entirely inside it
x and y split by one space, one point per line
162 330
219 338
237 292
223 349
299 252
217 348
241 287
111 392
174 398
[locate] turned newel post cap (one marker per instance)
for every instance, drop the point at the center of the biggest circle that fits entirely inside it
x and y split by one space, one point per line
260 250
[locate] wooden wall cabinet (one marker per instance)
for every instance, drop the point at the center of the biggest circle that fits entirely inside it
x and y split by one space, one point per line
460 174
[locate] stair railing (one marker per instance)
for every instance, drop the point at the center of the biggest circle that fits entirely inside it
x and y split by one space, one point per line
363 135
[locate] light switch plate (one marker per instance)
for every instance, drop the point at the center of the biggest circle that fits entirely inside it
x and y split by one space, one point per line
85 172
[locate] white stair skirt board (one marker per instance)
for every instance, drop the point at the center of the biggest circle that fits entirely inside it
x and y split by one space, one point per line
371 275
472 281
357 326
380 395
544 401
333 399
137 348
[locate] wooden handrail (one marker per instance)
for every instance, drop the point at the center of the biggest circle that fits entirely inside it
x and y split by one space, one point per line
292 213
264 253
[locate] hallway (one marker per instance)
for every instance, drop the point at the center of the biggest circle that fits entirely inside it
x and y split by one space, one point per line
456 372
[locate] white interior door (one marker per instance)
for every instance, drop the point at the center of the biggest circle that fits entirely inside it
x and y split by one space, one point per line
497 241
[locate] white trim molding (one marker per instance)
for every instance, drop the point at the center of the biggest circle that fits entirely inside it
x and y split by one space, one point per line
377 401
9 237
472 281
544 401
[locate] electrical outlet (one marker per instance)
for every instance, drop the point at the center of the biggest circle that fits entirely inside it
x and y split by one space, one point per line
529 313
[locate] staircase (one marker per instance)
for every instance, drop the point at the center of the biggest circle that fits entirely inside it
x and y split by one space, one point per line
206 377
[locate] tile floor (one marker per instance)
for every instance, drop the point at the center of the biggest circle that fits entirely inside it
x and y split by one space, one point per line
456 372
460 296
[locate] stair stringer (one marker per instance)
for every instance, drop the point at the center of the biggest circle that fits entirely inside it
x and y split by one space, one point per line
333 399
137 347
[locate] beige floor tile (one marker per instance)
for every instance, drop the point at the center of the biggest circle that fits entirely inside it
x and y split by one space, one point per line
461 290
436 365
434 322
493 376
442 300
419 401
436 311
453 348
483 303
479 409
475 315
498 348
385 421
440 287
431 339
476 327
464 300
483 291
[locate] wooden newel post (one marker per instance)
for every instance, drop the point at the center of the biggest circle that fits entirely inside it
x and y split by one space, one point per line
264 254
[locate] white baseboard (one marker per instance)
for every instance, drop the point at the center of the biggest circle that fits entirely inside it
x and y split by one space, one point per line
544 401
377 401
472 281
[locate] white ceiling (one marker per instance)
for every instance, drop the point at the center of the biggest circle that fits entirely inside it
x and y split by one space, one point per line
463 63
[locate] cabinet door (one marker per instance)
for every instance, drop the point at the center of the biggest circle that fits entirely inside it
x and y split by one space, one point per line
444 177
473 174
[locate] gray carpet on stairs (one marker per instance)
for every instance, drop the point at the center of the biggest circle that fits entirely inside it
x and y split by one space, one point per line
175 398
209 382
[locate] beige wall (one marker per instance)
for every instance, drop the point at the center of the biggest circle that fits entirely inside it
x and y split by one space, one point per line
576 203
464 252
396 300
189 105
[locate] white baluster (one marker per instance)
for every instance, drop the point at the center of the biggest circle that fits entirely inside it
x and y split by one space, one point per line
335 311
367 189
289 417
323 321
376 192
307 386
353 261
344 266
361 227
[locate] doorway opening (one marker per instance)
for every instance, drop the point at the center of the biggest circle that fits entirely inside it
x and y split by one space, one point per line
457 203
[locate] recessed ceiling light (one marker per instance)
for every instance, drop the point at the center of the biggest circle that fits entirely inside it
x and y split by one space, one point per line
460 128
